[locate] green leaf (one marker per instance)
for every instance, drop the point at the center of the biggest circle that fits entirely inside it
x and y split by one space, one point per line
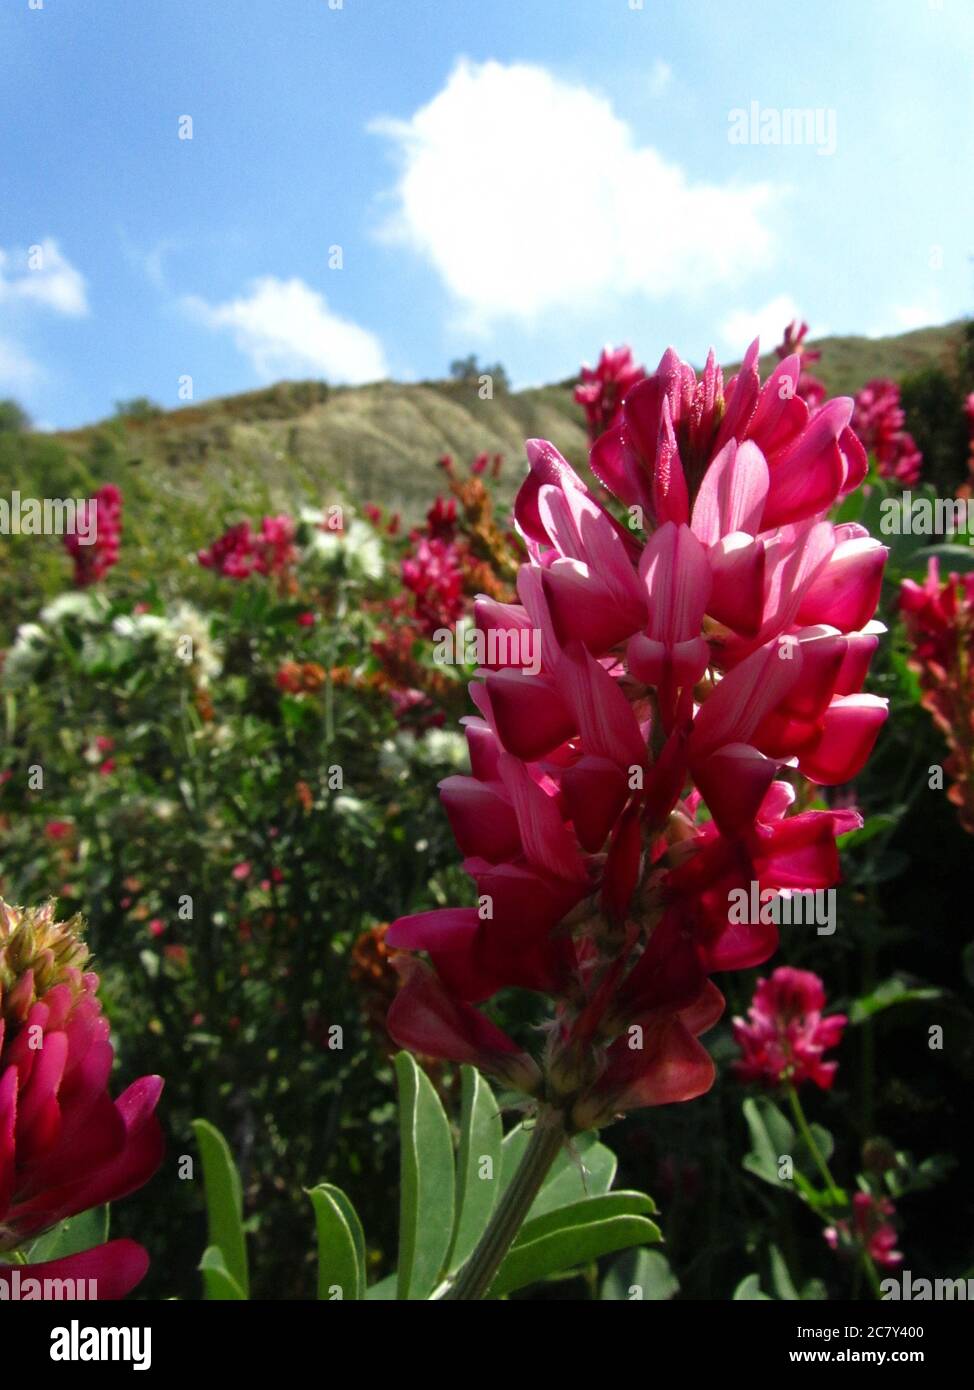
772 1137
573 1236
873 826
426 1204
585 1168
82 1232
341 1244
749 1290
218 1284
224 1202
384 1290
781 1280
952 557
481 1136
896 990
640 1274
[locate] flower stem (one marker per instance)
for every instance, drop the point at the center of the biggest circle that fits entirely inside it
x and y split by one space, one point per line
809 1138
477 1275
867 1264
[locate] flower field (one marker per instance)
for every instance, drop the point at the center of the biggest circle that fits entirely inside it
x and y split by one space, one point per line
559 892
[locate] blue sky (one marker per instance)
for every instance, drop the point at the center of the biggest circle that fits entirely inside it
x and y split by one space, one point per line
521 180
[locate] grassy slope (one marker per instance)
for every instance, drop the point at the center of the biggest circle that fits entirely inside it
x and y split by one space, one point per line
303 441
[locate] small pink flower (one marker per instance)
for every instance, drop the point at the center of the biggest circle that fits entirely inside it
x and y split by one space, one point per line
241 870
306 620
157 926
787 1035
879 420
870 1230
58 829
104 743
107 767
95 542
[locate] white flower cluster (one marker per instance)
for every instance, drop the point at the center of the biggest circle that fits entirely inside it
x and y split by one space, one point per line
355 551
180 635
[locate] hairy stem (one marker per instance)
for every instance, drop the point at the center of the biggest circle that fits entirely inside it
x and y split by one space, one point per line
477 1275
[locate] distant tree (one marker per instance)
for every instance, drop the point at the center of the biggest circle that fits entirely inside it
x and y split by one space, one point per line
13 418
933 399
468 369
138 408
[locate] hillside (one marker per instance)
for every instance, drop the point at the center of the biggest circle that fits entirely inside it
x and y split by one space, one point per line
305 440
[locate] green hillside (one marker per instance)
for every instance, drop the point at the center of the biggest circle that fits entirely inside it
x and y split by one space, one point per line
186 474
381 442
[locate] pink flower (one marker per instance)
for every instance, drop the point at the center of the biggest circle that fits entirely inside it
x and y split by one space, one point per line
433 572
939 621
240 552
870 1230
95 541
305 620
626 780
602 389
65 1145
786 1037
58 829
879 421
808 387
241 871
157 926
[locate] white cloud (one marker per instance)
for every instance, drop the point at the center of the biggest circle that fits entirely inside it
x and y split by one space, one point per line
926 312
285 326
768 323
43 275
17 369
529 194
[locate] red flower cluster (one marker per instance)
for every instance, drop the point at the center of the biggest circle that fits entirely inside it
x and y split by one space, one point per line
939 620
602 389
433 573
65 1145
870 1230
241 552
879 421
638 678
101 521
784 1041
808 387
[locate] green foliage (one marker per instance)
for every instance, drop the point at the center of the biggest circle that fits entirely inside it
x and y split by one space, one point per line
438 1233
224 1203
13 418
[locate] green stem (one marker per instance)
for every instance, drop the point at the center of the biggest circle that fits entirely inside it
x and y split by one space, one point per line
803 1127
477 1275
809 1138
